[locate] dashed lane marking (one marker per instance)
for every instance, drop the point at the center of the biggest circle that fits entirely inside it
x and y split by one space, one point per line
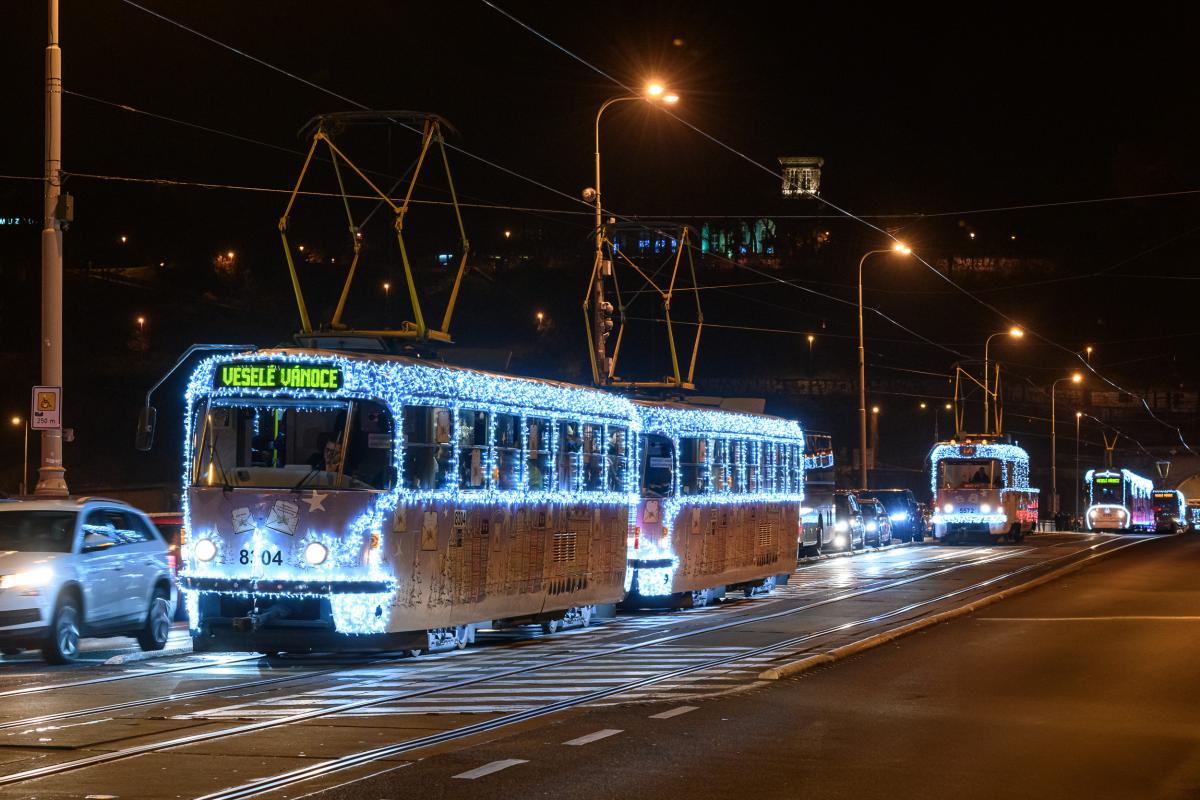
488 769
674 712
594 737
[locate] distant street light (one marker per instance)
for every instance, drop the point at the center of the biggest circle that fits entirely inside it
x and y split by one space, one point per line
1088 350
230 255
141 323
1015 333
387 302
25 458
124 239
811 339
1075 378
508 234
654 92
903 250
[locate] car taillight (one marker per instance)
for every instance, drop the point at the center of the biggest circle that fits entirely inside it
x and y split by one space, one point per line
172 563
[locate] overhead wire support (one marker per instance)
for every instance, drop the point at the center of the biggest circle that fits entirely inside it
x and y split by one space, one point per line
321 127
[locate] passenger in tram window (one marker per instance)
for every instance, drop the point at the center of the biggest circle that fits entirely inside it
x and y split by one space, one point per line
537 446
508 451
328 455
616 459
472 441
569 445
592 465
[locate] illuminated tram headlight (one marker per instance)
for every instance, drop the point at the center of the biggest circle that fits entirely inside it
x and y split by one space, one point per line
316 553
205 550
985 508
948 508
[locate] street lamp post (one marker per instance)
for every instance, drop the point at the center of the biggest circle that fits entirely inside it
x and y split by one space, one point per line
1075 378
387 298
1078 419
862 364
1014 332
653 92
25 458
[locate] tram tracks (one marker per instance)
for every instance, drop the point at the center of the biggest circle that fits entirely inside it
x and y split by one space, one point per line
497 675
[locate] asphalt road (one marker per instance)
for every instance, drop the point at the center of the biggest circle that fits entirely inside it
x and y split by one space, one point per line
643 705
1088 687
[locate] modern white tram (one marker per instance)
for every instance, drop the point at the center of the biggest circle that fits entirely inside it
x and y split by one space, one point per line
981 489
1118 500
351 501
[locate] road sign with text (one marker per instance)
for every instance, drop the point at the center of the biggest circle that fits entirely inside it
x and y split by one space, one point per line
46 411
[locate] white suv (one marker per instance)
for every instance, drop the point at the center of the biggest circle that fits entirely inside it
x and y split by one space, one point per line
81 567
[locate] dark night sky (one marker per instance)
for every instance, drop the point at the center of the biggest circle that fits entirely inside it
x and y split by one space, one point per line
914 112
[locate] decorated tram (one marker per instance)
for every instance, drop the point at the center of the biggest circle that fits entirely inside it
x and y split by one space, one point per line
981 490
351 501
719 507
1118 500
1170 510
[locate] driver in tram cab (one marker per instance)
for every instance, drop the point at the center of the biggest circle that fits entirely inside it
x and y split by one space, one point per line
980 477
328 456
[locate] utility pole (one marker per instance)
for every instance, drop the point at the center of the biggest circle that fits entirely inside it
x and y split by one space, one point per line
51 474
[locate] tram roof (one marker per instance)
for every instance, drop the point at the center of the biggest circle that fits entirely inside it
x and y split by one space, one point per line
431 380
673 417
981 448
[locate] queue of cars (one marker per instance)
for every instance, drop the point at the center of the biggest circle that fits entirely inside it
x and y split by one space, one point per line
848 519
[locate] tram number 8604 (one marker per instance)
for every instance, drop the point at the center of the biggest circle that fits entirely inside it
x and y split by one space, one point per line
266 557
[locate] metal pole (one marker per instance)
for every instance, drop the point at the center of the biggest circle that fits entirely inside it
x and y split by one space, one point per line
1053 453
986 378
25 462
862 377
51 474
1077 420
862 384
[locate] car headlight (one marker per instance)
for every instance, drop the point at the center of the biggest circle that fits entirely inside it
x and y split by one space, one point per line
26 580
839 541
316 553
948 508
899 516
841 526
205 550
984 508
871 526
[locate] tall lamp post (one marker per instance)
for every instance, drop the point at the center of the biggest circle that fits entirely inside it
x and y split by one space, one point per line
25 458
903 250
1075 378
654 92
1014 332
1078 419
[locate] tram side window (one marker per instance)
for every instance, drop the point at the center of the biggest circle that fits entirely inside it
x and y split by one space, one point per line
737 465
779 467
795 467
507 473
755 453
618 457
658 470
537 446
720 465
426 447
570 456
593 458
472 434
692 460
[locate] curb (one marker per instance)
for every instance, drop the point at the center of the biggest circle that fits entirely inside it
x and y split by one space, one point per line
818 659
128 658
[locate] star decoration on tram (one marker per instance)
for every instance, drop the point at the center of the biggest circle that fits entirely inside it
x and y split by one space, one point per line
316 500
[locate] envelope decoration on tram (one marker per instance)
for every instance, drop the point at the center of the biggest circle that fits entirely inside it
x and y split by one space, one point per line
242 521
429 528
284 518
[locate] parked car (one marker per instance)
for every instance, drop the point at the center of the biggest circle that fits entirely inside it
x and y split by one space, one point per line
847 521
877 526
77 567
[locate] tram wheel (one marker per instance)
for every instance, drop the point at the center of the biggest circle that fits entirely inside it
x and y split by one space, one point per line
585 617
462 637
414 652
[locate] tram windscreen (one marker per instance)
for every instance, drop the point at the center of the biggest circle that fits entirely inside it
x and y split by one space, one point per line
285 444
981 473
1106 489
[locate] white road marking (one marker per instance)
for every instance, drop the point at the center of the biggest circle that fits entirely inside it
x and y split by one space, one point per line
674 712
1131 617
592 737
488 769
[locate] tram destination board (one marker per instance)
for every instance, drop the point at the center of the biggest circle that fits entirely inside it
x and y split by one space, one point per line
271 375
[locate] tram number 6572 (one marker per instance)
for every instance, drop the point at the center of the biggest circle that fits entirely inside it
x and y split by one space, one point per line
266 557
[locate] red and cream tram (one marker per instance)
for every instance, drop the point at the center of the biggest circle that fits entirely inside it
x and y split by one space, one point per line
351 501
981 489
720 504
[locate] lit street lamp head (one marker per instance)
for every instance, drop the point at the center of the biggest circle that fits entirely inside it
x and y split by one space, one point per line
902 248
1077 378
17 421
1016 332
